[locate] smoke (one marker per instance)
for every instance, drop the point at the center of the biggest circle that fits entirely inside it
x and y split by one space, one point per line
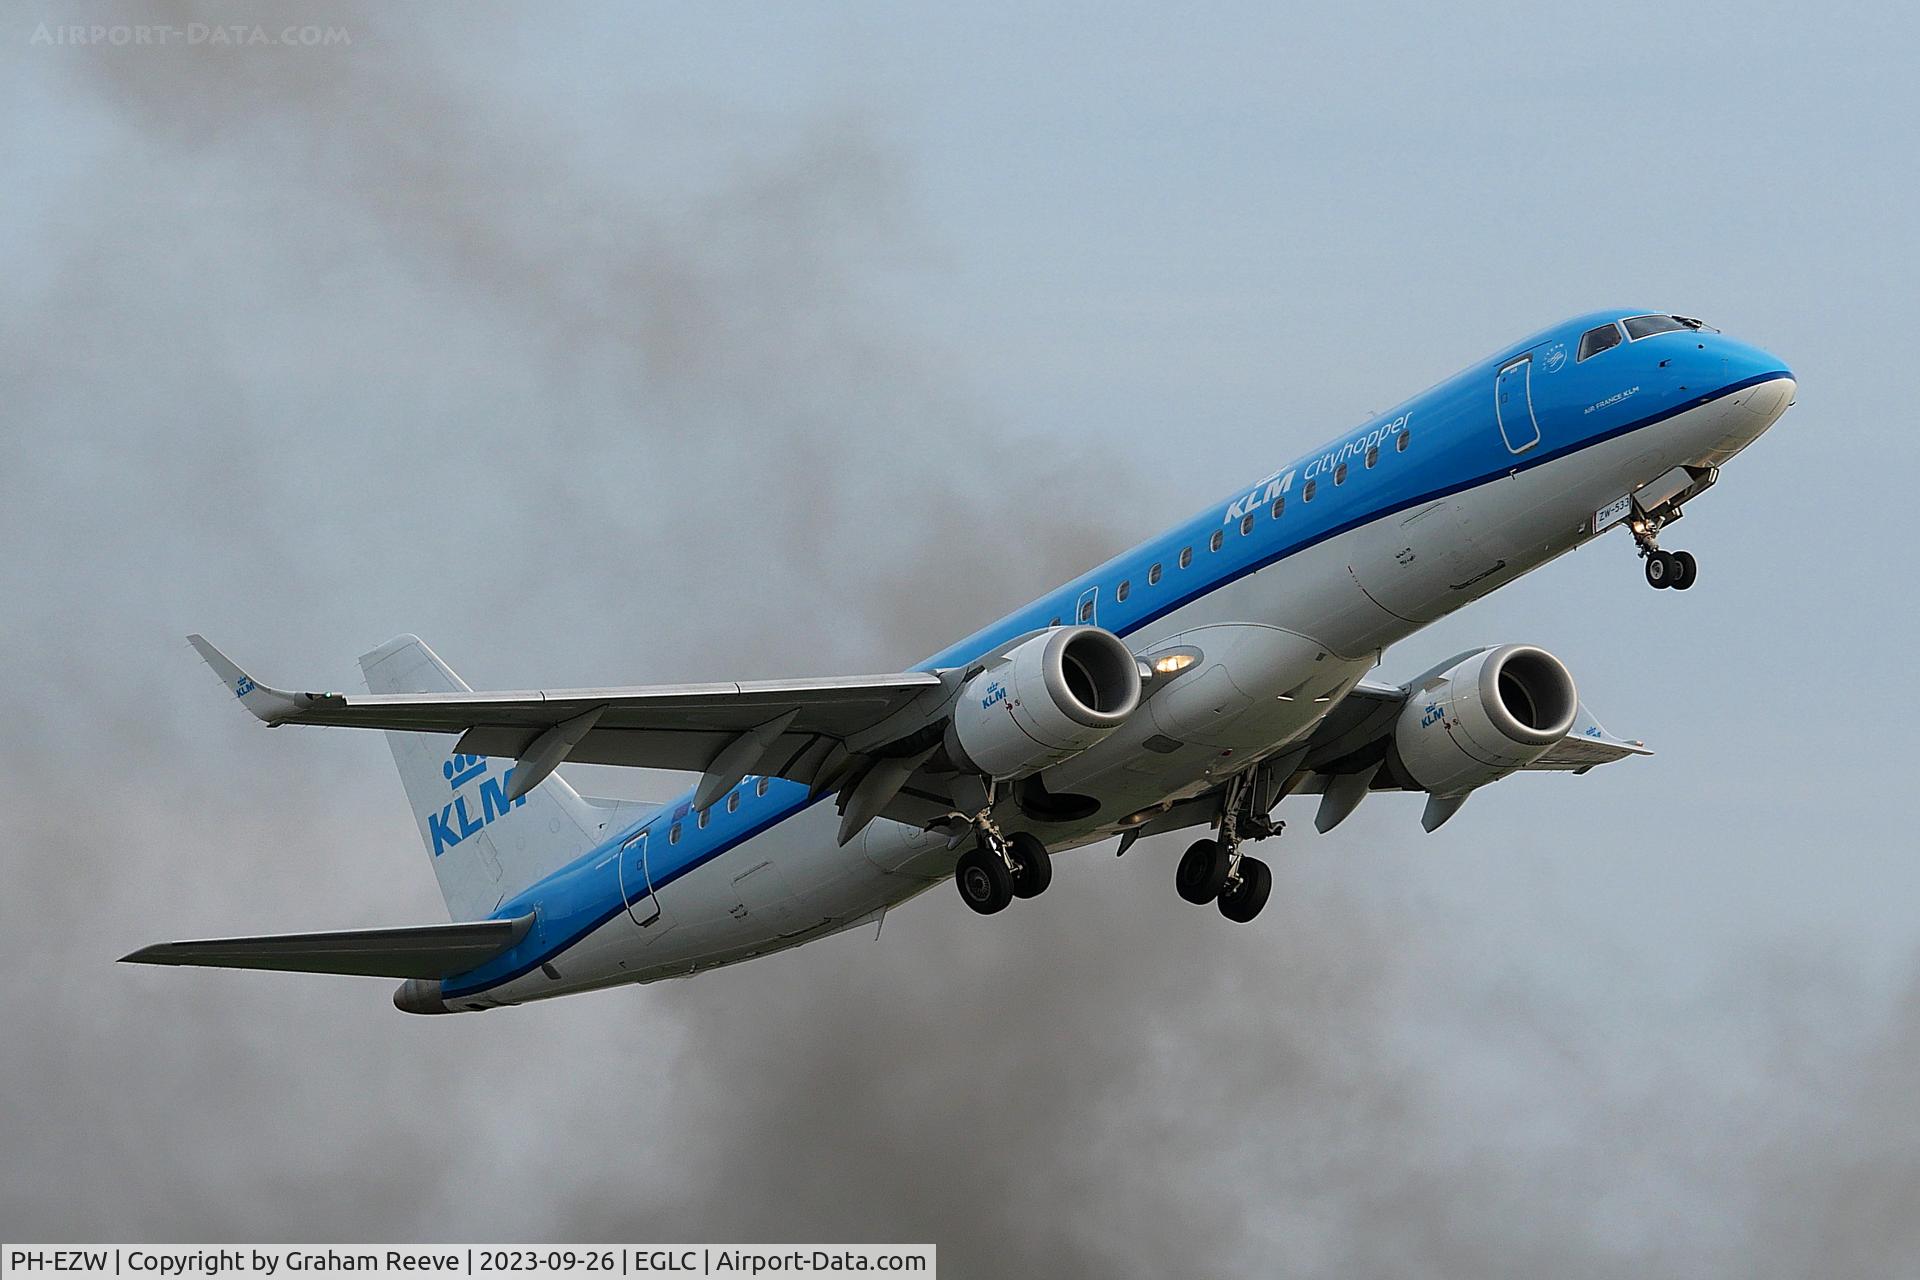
311 347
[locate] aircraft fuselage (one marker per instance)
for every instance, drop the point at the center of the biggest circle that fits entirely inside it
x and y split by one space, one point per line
1291 587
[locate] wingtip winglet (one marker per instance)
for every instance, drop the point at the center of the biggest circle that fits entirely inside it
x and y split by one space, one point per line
269 705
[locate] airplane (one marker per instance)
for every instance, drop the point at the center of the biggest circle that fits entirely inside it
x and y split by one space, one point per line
1195 681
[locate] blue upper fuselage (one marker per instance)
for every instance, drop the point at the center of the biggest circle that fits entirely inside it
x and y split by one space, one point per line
1449 446
1451 437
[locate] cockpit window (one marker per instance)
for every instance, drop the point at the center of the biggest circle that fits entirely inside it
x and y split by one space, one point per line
1646 326
1594 341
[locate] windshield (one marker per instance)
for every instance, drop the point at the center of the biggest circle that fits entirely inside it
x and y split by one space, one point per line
1594 341
1646 326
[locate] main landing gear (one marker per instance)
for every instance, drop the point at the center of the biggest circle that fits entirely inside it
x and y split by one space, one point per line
1001 868
1216 871
1665 569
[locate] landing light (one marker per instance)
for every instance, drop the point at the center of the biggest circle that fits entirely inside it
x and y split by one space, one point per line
1168 663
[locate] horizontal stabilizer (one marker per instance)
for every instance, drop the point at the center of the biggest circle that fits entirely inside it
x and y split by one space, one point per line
422 951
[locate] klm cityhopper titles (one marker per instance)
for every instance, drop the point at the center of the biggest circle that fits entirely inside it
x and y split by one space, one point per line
1195 681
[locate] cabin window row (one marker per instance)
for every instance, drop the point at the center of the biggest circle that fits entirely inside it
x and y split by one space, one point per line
1122 592
733 806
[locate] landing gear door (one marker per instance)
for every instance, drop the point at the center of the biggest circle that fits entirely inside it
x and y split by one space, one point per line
636 882
1513 404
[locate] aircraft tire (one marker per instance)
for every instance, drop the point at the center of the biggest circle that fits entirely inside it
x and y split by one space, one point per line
1035 865
1243 901
1661 570
984 882
1202 872
1686 569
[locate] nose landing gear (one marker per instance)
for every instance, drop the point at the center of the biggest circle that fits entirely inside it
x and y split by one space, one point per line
1654 508
1675 569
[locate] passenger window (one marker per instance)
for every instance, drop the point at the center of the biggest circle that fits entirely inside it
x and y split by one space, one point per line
1400 445
733 802
1594 341
1086 611
1646 326
1213 543
1246 524
1055 622
1186 556
1125 590
1340 474
673 836
1373 455
1279 506
1153 576
1306 494
760 787
702 819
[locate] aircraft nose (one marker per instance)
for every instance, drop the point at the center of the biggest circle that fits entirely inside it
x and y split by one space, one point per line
1770 399
1744 365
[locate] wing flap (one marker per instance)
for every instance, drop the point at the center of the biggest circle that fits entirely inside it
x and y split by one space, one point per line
419 951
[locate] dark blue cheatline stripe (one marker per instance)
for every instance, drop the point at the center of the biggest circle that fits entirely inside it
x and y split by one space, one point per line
1226 578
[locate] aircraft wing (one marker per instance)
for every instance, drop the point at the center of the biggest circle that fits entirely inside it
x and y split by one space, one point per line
422 951
1354 740
1359 726
1586 745
780 728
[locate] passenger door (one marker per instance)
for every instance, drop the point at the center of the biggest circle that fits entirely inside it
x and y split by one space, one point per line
636 883
1513 404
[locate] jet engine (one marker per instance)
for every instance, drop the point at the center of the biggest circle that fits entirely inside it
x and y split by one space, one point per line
1490 713
1048 698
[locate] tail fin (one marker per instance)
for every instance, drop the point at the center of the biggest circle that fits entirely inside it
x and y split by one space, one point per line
484 846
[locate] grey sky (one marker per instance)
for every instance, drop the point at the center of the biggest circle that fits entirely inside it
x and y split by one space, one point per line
621 344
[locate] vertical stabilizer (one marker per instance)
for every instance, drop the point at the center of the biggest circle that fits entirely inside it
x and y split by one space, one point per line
484 845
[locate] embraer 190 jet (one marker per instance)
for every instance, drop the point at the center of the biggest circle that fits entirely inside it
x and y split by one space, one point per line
1193 682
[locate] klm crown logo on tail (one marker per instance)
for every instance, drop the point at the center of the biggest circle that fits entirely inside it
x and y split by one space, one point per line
454 822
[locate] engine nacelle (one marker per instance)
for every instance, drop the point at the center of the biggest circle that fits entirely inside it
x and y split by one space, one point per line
1048 698
1484 717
